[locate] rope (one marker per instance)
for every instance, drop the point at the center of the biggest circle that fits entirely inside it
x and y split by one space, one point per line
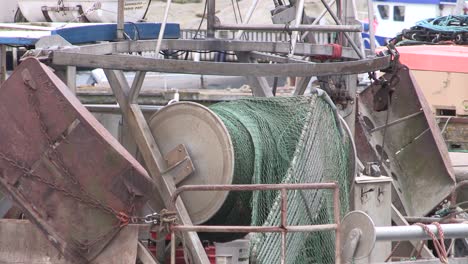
446 23
439 245
436 31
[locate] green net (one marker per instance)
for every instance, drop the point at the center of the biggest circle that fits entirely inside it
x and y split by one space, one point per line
285 140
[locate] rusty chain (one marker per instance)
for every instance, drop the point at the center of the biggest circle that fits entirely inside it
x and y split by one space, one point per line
89 200
83 196
387 88
393 68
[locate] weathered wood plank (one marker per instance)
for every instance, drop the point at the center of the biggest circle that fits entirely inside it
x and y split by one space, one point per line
135 63
153 158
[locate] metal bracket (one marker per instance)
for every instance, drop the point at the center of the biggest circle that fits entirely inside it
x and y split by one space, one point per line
79 9
179 163
350 246
283 14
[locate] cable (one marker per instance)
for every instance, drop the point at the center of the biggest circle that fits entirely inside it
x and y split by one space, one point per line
353 144
385 130
445 126
163 26
238 9
201 21
137 30
234 9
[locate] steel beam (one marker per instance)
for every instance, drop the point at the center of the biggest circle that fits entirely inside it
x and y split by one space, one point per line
318 18
136 87
259 85
301 85
153 158
338 22
3 72
463 260
297 23
120 19
133 63
163 27
413 232
252 8
275 58
211 18
287 28
213 45
370 10
144 255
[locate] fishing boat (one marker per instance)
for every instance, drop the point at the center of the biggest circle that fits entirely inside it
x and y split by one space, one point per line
7 13
392 16
104 11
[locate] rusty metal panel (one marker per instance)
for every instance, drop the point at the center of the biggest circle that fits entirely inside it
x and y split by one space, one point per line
22 242
414 153
72 178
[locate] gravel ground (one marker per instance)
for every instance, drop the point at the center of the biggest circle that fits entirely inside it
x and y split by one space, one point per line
189 14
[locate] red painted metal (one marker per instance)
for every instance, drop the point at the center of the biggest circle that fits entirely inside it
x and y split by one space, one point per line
70 176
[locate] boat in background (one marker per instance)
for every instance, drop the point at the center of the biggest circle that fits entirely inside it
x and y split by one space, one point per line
392 16
8 11
103 11
436 52
441 72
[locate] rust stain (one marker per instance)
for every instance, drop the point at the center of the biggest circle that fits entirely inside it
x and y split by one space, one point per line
59 163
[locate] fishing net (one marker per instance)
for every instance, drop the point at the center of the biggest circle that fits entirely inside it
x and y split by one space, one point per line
285 140
434 31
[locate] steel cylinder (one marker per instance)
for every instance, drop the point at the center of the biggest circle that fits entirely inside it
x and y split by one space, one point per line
414 232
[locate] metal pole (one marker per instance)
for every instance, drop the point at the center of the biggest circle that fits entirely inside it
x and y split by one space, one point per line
370 13
459 8
284 223
210 20
163 27
403 233
297 22
120 20
248 17
302 28
337 216
3 72
338 22
173 247
317 20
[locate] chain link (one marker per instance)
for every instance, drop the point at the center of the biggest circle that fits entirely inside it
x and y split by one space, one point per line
56 157
393 68
88 199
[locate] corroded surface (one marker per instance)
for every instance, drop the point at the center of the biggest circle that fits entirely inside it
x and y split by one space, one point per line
411 147
69 175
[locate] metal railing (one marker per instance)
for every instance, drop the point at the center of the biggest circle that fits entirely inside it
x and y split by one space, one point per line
283 228
260 36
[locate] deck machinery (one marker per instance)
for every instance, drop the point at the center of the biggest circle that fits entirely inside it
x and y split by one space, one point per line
397 143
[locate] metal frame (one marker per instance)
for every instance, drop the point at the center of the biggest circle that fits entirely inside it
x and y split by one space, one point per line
302 49
105 56
133 63
283 228
154 160
109 56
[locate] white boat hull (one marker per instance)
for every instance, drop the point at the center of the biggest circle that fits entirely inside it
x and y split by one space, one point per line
102 11
8 11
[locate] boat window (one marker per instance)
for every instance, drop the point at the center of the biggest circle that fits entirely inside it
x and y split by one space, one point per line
399 13
383 11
